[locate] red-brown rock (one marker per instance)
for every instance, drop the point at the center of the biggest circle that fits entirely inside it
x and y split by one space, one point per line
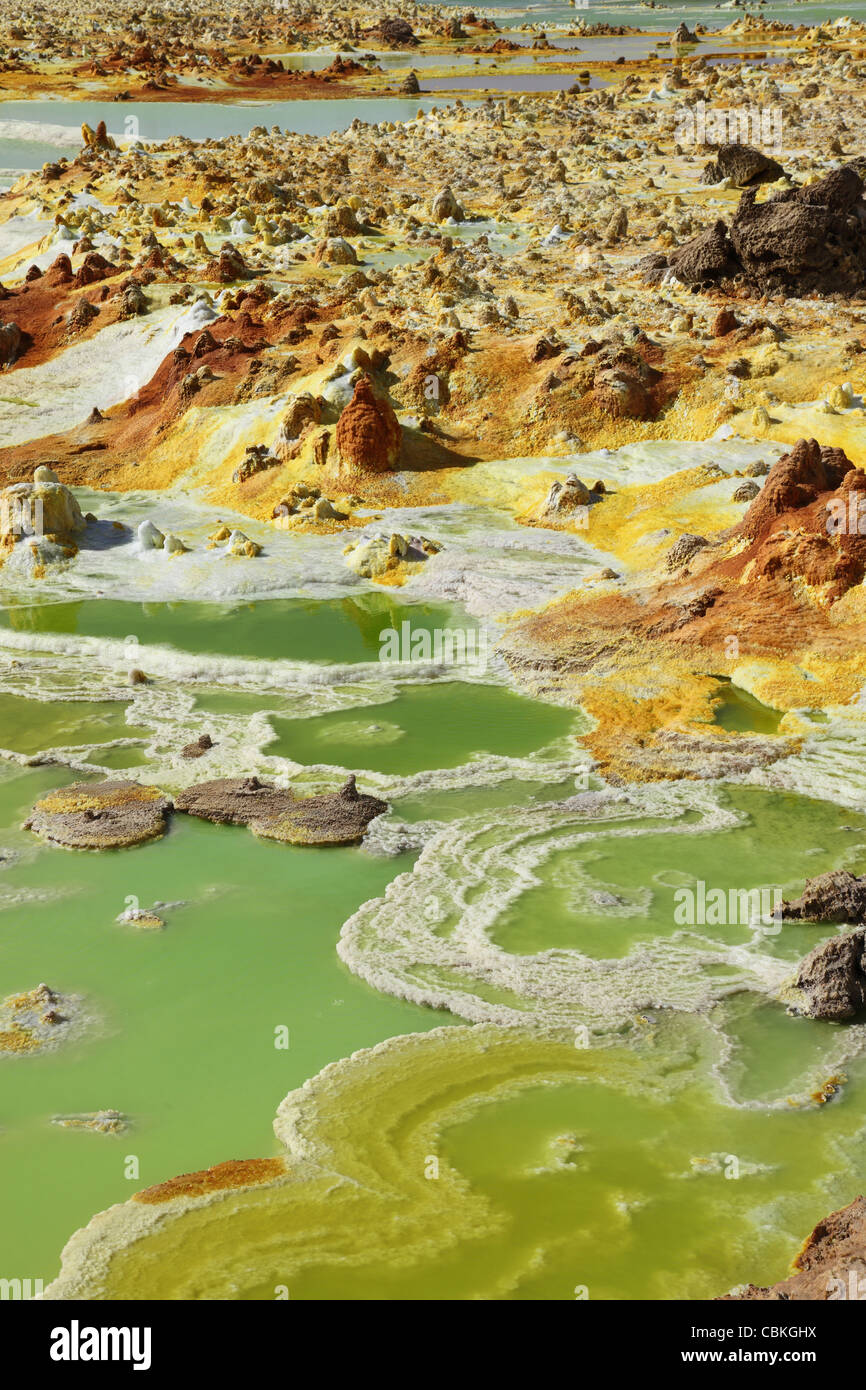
830 1267
725 322
795 480
368 432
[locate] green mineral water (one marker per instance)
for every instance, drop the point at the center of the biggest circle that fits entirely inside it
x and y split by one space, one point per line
567 1149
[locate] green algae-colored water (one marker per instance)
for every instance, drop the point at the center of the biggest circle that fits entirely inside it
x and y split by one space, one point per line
560 1170
611 1195
344 630
781 838
185 1038
739 712
28 728
426 726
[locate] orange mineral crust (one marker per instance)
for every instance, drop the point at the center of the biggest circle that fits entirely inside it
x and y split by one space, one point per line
235 1172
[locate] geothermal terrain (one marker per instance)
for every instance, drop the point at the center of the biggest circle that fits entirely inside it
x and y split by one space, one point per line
432 621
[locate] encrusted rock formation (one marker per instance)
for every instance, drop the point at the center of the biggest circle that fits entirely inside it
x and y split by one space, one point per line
837 896
37 1019
445 205
45 507
683 35
810 238
831 981
817 485
100 815
394 33
198 747
368 435
684 549
830 1267
275 813
565 497
10 343
743 165
384 556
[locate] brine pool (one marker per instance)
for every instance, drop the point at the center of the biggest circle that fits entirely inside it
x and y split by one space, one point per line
586 1074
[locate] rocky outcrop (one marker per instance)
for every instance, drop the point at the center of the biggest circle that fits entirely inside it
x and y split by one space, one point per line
45 507
304 411
837 896
796 480
806 239
11 343
683 550
226 267
368 435
304 504
257 459
149 536
683 35
830 1267
705 260
818 544
275 813
395 33
831 981
623 384
385 556
199 746
342 219
745 166
92 270
335 250
98 139
813 238
565 497
724 323
81 317
133 300
100 815
445 206
242 546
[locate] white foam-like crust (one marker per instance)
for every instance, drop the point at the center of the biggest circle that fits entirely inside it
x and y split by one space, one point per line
100 371
430 938
830 764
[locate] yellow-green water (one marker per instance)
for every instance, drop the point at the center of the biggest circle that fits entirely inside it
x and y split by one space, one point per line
564 1158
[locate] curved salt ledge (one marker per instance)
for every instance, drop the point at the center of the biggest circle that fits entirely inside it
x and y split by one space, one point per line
43 667
238 751
430 940
411 1123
